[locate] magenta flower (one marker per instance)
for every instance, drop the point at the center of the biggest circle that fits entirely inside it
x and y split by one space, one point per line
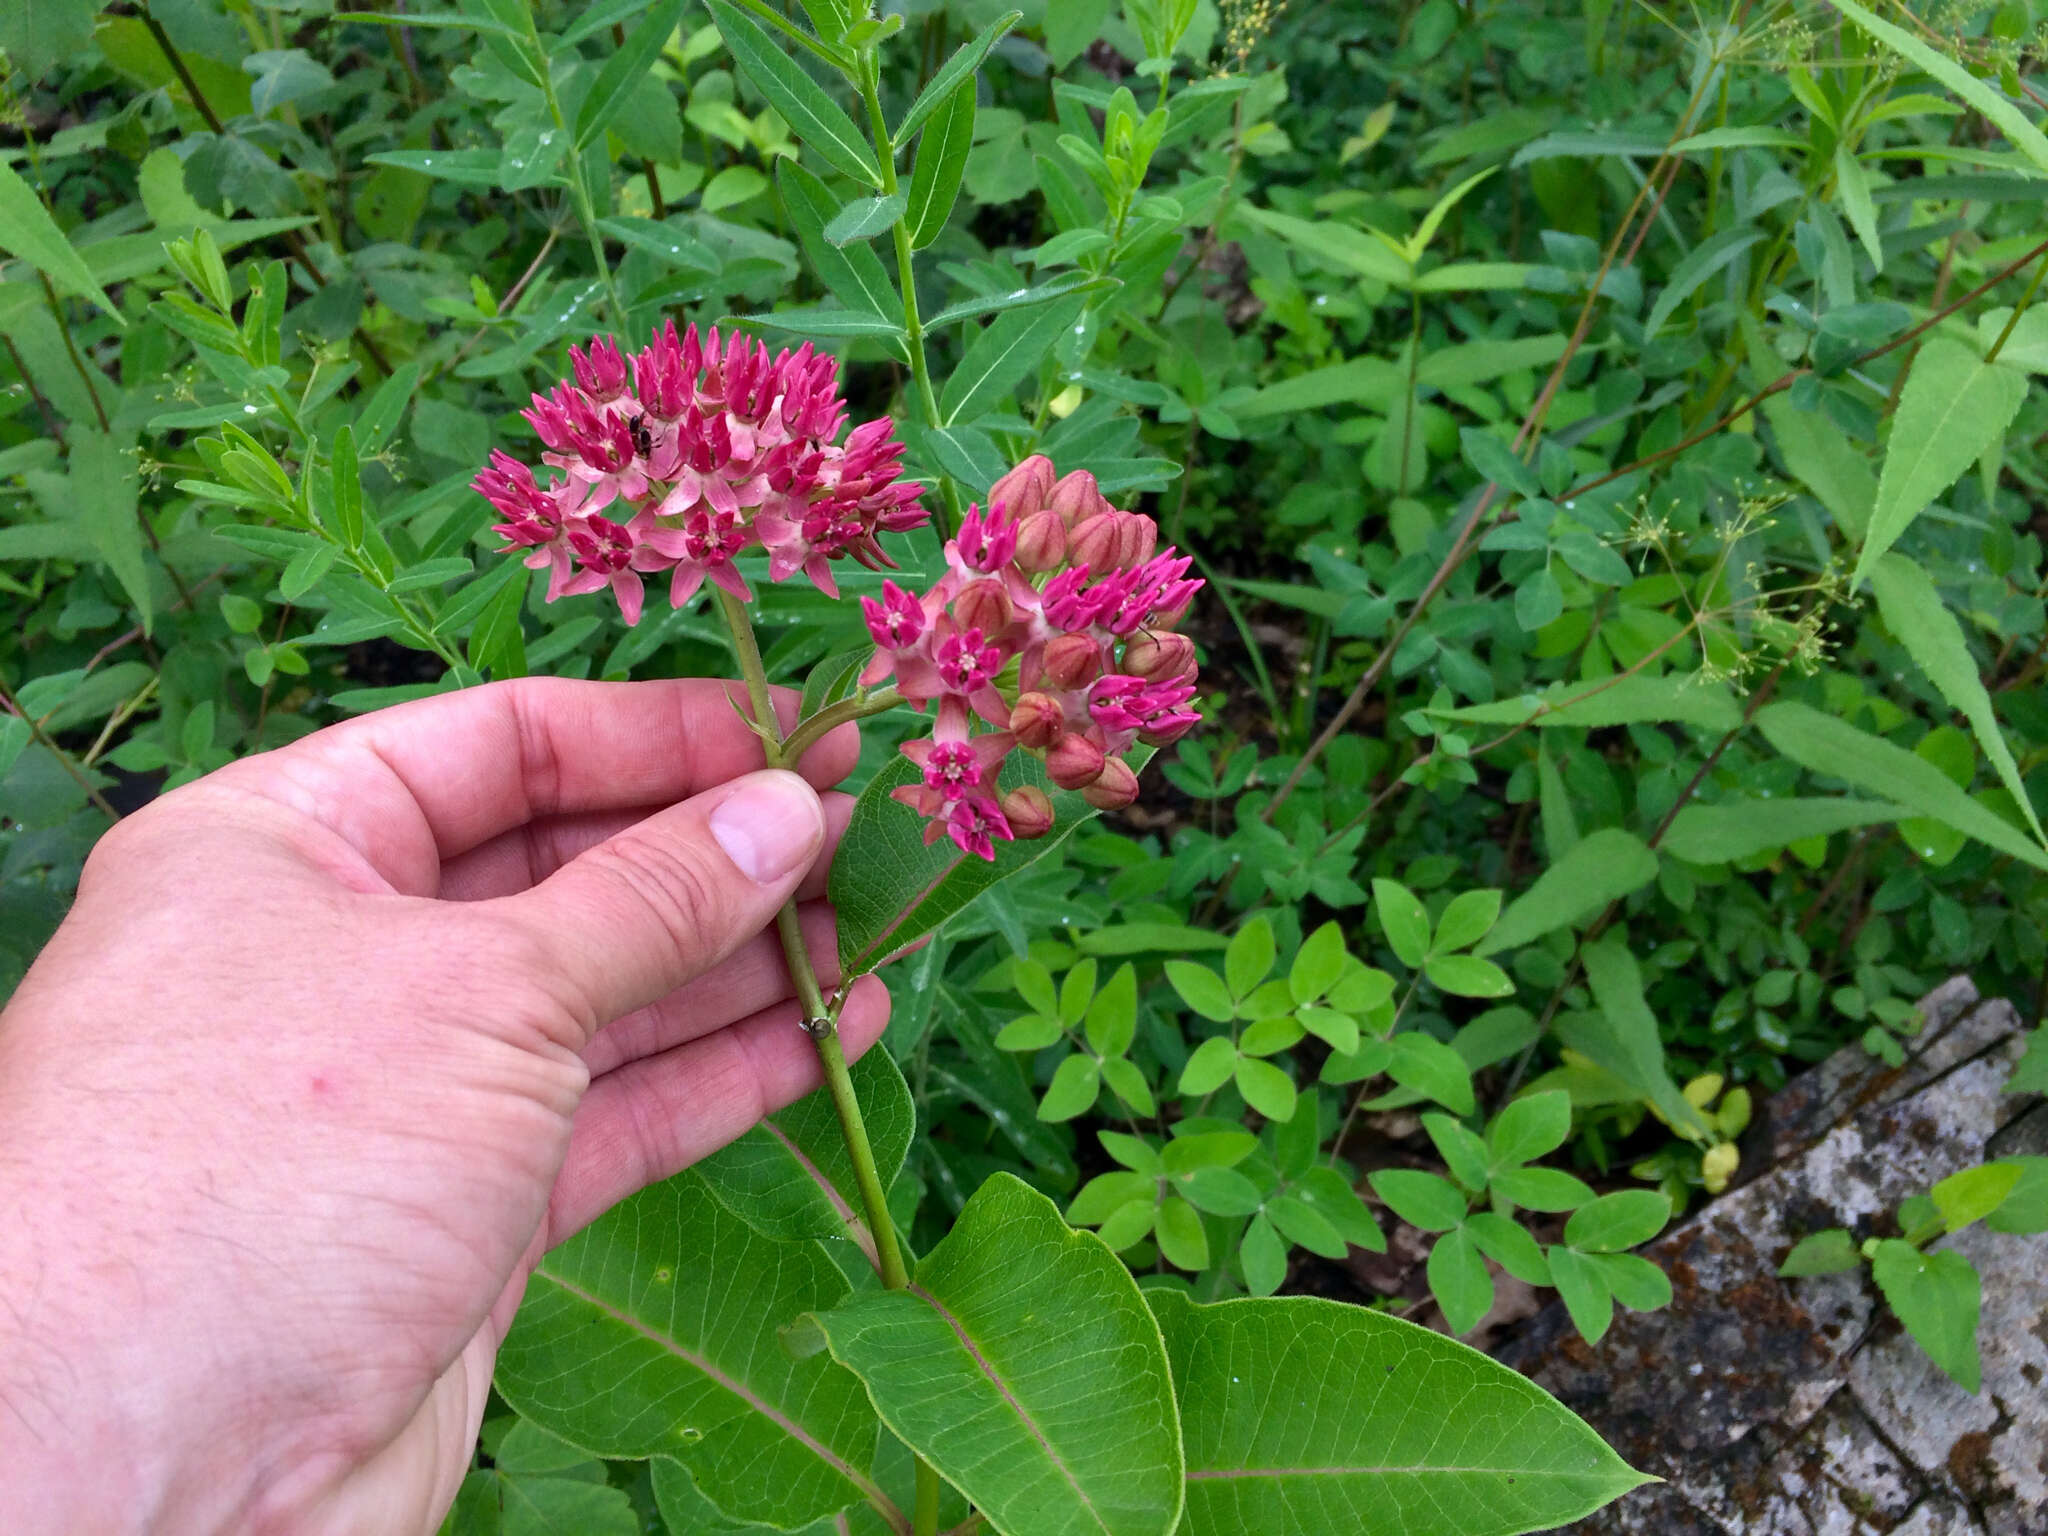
691 451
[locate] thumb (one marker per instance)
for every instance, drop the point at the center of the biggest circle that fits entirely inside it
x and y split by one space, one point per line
644 912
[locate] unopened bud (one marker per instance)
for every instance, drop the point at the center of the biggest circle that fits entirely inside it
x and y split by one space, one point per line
1028 810
1097 543
1077 497
1161 658
1139 538
1161 620
1074 762
984 605
1167 735
1072 661
1042 542
1037 720
1025 489
1117 787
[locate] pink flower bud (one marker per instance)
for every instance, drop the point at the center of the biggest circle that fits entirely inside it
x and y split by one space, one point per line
1159 658
1169 730
1041 542
984 605
1037 720
1117 787
1028 809
1072 661
1096 543
1024 489
1139 536
1077 497
1074 762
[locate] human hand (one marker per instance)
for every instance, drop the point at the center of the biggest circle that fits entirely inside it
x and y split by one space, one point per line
336 1043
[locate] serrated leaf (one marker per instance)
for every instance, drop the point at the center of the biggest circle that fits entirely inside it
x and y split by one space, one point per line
791 1177
1024 1366
28 231
1953 407
1363 1448
1701 263
631 1344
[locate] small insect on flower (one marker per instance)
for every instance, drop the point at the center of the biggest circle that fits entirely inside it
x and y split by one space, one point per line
693 450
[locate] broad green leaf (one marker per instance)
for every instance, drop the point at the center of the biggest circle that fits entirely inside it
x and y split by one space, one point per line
1404 919
1542 1189
1265 1087
1075 1086
1461 1149
815 119
1466 920
1628 1218
1263 1256
38 35
1112 1019
864 218
498 1502
1249 956
790 1177
1915 614
1424 1063
941 162
2025 1207
1299 1222
1221 1192
1481 362
1012 345
102 494
1421 1199
1460 1281
1202 990
891 888
623 70
1318 964
1057 286
686 1512
28 231
1634 1281
2018 129
1367 1446
1601 867
1210 1067
654 1332
1623 1036
1024 1366
1508 1243
1370 381
1954 406
1830 1252
1700 264
1529 1128
1179 1234
1737 828
1467 976
956 72
1938 1297
1335 246
1974 1193
1581 1283
1835 748
1625 700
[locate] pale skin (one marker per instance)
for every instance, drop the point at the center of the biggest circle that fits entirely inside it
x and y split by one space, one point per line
336 1044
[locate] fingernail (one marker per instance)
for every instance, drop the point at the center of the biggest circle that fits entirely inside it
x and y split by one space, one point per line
769 826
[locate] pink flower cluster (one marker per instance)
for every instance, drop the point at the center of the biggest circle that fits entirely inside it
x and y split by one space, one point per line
1077 595
687 453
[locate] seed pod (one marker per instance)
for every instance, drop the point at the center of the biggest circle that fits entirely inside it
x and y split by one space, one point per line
1028 810
1115 789
1072 661
1074 762
1037 720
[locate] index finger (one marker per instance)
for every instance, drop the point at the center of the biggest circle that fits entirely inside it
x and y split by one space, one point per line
413 785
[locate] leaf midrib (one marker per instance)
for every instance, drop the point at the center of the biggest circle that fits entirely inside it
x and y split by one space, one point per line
982 1364
882 1503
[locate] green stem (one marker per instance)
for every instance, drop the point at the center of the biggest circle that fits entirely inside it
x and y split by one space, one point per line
820 1021
2018 309
906 276
579 185
809 732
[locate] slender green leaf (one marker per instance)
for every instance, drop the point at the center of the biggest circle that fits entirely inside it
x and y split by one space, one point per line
1603 866
1701 263
814 118
953 74
1737 828
2008 119
1012 345
865 218
624 69
941 162
1623 1036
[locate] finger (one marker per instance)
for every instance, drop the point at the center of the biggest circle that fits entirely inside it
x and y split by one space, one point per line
752 977
514 861
654 1117
657 906
423 782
